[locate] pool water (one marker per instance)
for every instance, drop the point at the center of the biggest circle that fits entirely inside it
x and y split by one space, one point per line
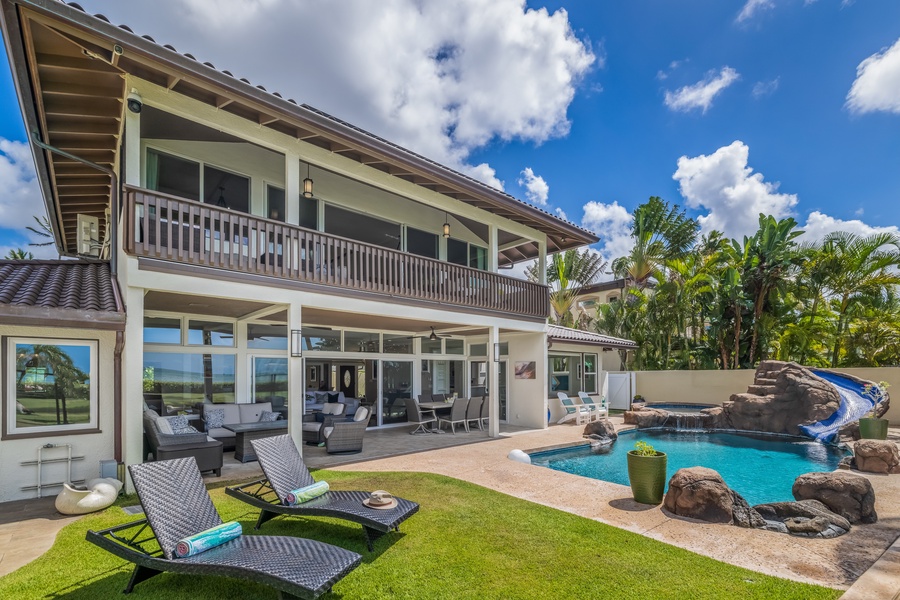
682 408
760 468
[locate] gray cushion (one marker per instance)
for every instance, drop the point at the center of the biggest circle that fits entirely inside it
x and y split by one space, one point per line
268 416
215 418
164 426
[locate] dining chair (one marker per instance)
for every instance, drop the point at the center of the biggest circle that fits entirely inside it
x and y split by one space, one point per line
473 411
457 415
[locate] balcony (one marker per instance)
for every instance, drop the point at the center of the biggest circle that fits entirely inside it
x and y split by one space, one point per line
160 226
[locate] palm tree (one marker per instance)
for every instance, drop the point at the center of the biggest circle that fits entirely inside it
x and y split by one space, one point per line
43 230
660 232
19 254
857 268
567 273
770 258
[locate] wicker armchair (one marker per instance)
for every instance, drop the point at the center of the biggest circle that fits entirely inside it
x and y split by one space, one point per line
346 437
165 446
314 424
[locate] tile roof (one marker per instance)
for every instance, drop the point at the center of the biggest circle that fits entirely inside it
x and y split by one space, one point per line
337 121
577 336
61 290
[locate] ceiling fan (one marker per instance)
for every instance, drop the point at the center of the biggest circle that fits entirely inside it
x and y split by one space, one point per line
433 336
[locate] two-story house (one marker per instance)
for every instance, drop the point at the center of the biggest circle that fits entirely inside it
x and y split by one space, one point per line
260 247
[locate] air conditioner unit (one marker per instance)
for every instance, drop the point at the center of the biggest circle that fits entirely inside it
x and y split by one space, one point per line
88 235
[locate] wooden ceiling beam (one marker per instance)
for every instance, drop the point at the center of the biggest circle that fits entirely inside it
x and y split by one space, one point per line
96 127
93 190
66 63
98 107
56 88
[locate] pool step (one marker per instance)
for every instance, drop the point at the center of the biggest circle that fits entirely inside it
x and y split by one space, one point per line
765 381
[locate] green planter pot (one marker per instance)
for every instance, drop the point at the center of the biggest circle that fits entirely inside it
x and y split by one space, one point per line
647 476
873 429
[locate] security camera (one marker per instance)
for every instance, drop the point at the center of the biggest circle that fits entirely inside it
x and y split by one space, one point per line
135 102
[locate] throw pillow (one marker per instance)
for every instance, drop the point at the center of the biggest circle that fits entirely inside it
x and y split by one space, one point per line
178 422
333 408
164 426
334 396
151 414
215 418
186 430
310 398
268 416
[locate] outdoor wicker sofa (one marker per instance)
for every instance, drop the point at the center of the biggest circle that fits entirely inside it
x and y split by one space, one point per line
285 471
177 505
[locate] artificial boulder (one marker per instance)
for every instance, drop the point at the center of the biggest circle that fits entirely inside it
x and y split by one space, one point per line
848 495
602 428
646 417
877 456
806 518
783 397
701 493
602 435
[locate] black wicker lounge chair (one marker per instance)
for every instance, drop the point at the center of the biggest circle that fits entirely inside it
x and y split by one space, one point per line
177 505
285 471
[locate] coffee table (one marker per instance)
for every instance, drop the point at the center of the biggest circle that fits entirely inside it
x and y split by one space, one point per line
245 432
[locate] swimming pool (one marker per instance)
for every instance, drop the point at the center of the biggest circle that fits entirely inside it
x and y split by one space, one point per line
761 468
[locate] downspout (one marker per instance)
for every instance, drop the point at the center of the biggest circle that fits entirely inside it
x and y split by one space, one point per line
113 268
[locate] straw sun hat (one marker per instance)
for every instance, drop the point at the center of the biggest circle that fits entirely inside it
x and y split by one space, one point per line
380 499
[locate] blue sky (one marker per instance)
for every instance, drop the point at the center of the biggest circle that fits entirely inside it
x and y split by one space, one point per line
585 107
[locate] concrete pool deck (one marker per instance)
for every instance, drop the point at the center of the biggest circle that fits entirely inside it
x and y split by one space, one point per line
835 563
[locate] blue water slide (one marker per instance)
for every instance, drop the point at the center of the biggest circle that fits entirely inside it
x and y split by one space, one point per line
853 406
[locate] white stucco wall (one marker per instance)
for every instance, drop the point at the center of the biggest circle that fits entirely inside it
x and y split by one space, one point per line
94 447
526 398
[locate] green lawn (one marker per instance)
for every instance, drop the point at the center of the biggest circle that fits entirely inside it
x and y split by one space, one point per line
465 542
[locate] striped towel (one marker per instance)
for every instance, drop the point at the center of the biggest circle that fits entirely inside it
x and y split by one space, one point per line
305 494
212 537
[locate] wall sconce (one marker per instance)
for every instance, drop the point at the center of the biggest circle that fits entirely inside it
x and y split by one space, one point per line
296 343
307 184
497 352
446 226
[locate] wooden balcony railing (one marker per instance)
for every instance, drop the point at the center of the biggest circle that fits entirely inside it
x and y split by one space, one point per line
175 229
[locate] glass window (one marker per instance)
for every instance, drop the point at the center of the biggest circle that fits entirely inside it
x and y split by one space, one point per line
267 337
443 377
590 373
560 374
421 242
504 348
275 198
226 190
270 383
457 252
454 346
309 213
477 257
361 341
162 330
396 386
321 339
361 227
52 386
173 175
210 333
187 379
431 346
397 344
478 350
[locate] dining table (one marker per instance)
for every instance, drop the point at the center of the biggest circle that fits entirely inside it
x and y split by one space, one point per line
436 406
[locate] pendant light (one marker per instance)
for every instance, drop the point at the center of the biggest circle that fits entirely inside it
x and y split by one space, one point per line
446 226
307 184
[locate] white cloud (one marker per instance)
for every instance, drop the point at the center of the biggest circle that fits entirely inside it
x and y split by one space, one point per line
701 94
440 78
752 7
561 214
727 187
877 84
536 189
612 222
765 88
818 225
20 194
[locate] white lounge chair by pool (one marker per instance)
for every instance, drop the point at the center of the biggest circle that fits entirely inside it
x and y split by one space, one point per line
581 414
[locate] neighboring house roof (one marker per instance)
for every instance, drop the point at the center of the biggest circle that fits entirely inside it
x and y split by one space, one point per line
603 286
60 293
88 55
576 336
